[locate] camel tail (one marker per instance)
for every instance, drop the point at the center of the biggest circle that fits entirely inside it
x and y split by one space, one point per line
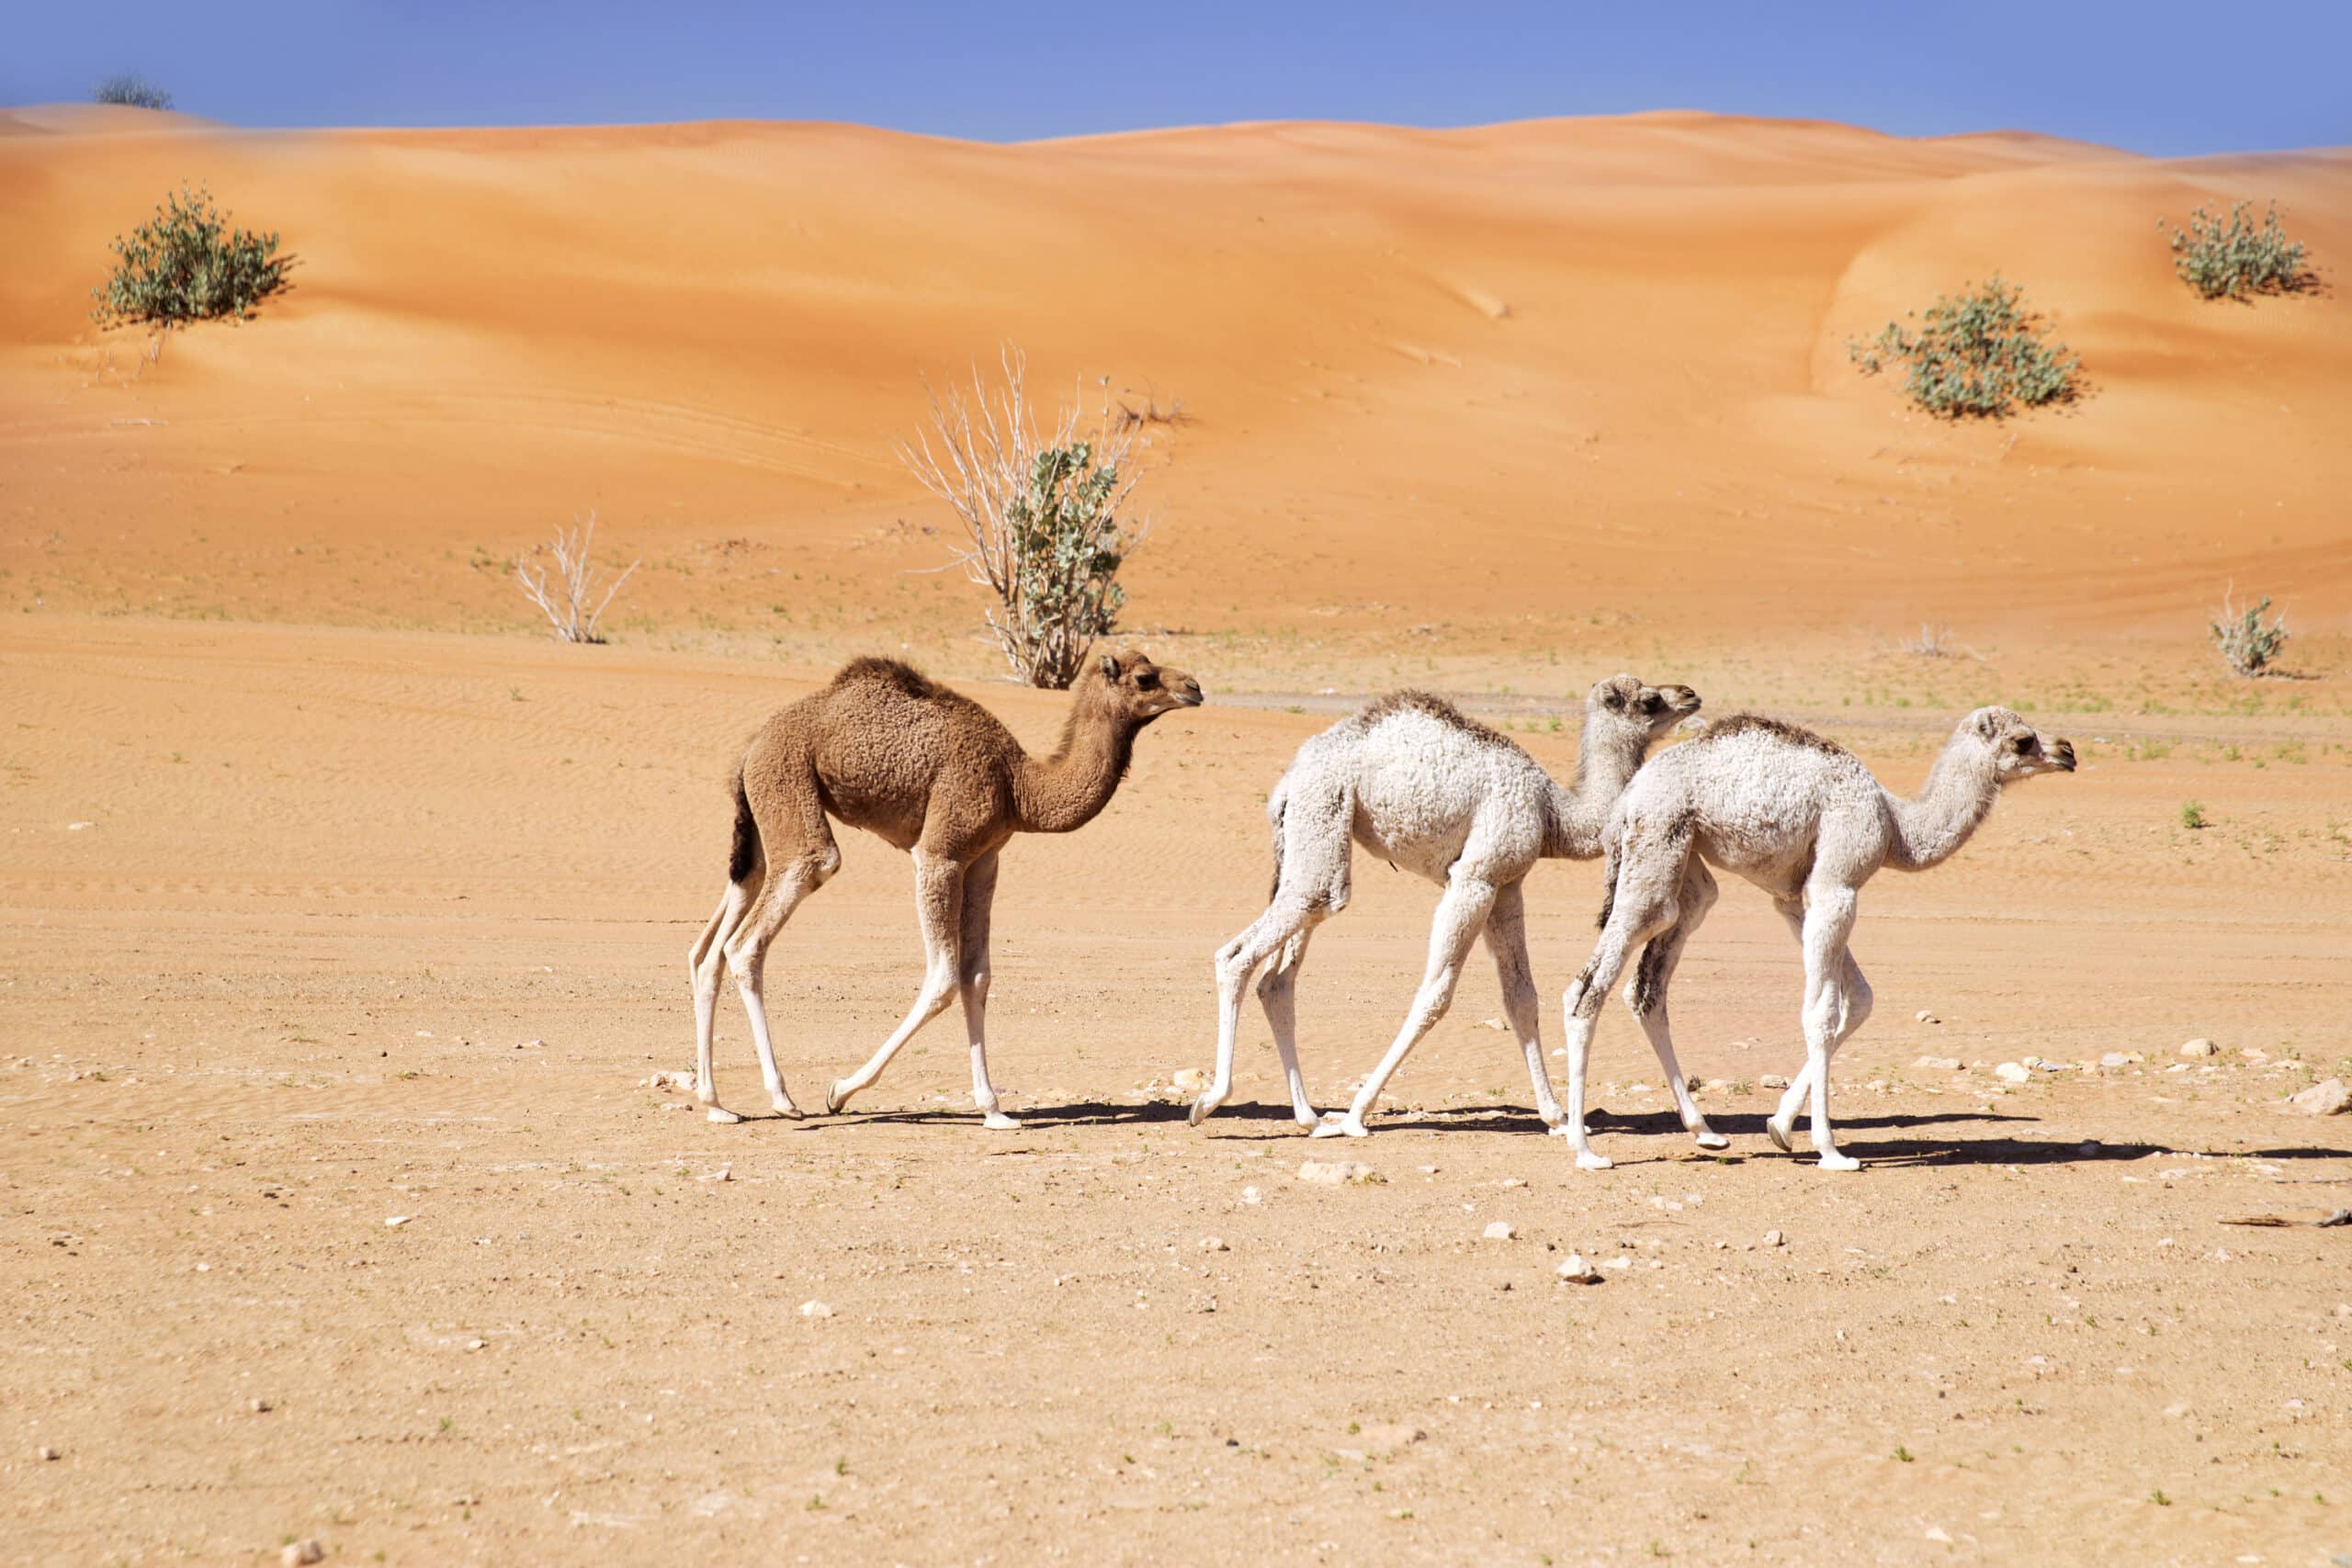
746 852
1276 804
1608 885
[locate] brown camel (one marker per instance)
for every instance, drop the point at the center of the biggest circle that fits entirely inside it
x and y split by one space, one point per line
885 748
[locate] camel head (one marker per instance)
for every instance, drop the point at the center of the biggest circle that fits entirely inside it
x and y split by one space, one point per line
1138 687
1655 709
2017 750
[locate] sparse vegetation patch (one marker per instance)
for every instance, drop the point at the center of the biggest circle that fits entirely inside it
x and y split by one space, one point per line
1980 352
2231 257
185 264
2248 645
131 91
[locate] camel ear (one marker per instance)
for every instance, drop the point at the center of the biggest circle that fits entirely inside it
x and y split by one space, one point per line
1989 725
1613 698
1110 668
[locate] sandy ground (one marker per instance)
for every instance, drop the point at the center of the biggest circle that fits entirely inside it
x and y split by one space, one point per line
332 895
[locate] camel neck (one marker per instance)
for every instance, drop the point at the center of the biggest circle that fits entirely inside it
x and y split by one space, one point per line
1931 825
1063 793
1606 759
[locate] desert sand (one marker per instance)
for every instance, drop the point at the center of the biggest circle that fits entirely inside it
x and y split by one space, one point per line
335 895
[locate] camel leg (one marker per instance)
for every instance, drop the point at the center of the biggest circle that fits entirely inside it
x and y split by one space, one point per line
1858 999
1653 979
1642 904
939 911
790 879
1828 923
1236 962
705 960
1460 915
1278 994
972 982
1506 937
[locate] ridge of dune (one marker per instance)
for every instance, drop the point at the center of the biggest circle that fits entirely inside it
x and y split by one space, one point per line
1483 376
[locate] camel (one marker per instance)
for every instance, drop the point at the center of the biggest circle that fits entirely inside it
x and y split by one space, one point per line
1432 792
1800 817
885 748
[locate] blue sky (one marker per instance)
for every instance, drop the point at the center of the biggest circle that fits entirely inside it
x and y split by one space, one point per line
2157 77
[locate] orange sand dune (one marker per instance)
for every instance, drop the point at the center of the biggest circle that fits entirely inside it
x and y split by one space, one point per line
1532 372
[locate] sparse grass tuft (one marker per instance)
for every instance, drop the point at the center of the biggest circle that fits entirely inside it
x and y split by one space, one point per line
2192 815
1979 353
2246 645
566 600
2229 258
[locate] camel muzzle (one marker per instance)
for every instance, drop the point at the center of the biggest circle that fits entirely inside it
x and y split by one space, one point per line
2062 754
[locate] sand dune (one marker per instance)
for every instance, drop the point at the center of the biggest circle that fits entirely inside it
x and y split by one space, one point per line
1529 371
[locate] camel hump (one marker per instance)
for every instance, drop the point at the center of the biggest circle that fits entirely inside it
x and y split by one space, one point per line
896 674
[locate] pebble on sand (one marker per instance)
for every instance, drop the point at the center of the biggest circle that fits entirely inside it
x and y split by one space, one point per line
394 1221
298 1552
2012 1071
46 1452
2326 1097
1335 1172
1577 1271
1774 1238
1189 1079
1501 1230
815 1309
1214 1243
1924 1016
2200 1047
1938 1063
1773 1080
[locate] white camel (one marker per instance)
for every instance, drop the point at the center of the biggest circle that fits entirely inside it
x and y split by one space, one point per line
1432 792
1800 817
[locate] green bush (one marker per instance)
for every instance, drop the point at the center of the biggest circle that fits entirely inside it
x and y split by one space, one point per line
2247 646
186 265
1979 353
135 91
2229 257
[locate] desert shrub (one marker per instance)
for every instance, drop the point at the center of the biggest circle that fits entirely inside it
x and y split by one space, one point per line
2228 257
1046 516
1978 353
187 264
566 598
2192 815
2245 644
132 91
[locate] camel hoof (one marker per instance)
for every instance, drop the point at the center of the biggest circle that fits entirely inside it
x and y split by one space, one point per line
835 1099
1306 1116
1833 1160
1552 1116
789 1111
724 1118
1588 1160
1711 1139
998 1122
1778 1131
1339 1127
1200 1110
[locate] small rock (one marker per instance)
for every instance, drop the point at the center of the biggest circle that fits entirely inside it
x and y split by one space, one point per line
1334 1172
2115 1059
2328 1097
79 826
2176 1410
530 1044
1512 1182
1774 1238
1773 1080
1495 1024
1620 1262
298 1552
394 1221
1938 1063
1577 1271
46 1452
1501 1230
2200 1047
2012 1071
1203 1301
724 1173
1924 1016
815 1309
262 1406
1251 1195
1936 1533
1214 1243
1189 1079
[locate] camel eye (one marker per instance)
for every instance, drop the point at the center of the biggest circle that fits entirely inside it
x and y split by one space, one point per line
1146 679
1651 704
2026 744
